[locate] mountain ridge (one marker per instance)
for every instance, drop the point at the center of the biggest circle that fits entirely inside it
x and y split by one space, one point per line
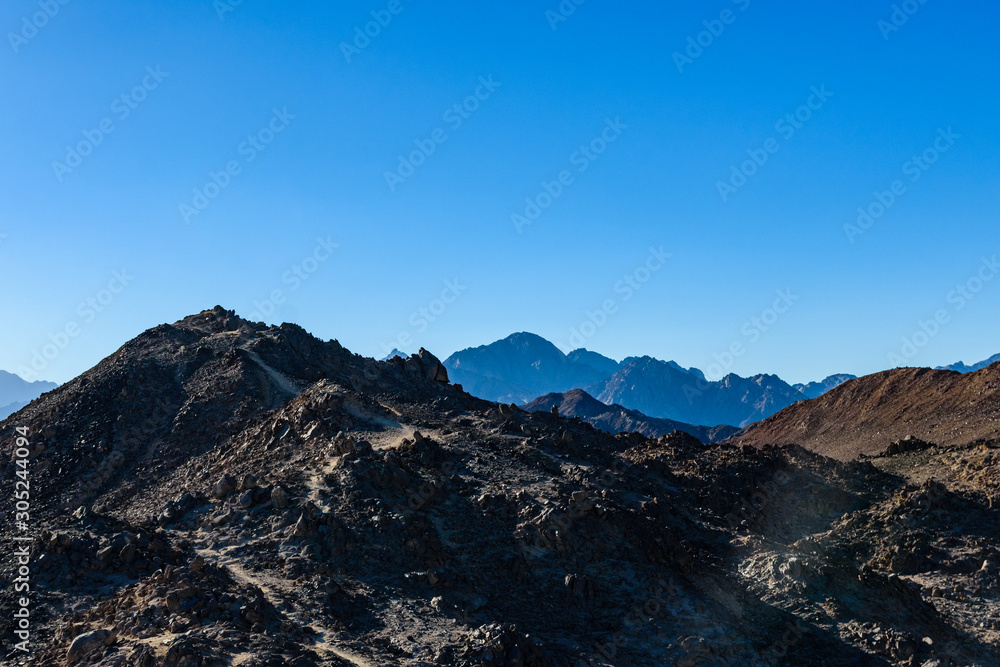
618 419
219 491
864 416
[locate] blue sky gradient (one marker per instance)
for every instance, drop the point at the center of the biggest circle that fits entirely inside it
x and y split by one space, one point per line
312 220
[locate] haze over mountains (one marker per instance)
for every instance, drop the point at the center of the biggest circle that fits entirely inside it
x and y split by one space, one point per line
618 419
524 366
962 368
15 392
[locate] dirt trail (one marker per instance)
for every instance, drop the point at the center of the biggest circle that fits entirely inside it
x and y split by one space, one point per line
277 591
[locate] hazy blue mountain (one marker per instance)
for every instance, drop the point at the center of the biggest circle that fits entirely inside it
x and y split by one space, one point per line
8 410
817 389
615 418
15 392
521 367
598 362
962 368
666 390
525 366
395 353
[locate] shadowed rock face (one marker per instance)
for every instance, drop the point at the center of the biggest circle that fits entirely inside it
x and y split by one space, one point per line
866 415
221 492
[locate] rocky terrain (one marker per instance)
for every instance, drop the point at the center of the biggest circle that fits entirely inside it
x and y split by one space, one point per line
866 415
617 419
219 492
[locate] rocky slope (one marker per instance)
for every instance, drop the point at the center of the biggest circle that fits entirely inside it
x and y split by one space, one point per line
219 492
866 415
617 419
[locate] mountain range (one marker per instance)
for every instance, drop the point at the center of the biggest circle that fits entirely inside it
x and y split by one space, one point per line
962 368
618 419
524 366
223 492
15 392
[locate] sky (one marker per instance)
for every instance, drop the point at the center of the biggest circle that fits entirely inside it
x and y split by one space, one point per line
792 188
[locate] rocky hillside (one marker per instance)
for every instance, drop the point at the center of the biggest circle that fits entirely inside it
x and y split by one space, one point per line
662 389
616 419
866 415
219 492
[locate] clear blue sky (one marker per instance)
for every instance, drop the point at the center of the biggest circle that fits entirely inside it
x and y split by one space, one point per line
220 76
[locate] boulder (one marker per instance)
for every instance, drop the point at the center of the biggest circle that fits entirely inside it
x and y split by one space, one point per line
279 498
432 367
224 486
88 642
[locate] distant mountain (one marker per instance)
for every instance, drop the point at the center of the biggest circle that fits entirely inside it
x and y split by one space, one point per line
666 390
598 362
817 389
15 393
11 408
962 368
673 364
866 415
615 418
395 353
521 367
